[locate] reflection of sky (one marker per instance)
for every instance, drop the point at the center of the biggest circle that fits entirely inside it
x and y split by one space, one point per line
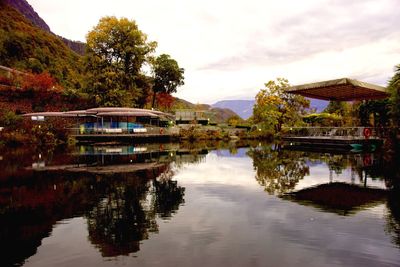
227 220
239 153
224 170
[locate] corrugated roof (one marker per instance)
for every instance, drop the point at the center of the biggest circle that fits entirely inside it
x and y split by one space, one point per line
344 89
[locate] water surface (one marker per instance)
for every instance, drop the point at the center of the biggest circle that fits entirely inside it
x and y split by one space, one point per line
203 205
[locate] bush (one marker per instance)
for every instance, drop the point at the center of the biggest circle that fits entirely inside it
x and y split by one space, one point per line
14 138
10 120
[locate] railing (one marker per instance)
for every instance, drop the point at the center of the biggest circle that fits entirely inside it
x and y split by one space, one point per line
336 132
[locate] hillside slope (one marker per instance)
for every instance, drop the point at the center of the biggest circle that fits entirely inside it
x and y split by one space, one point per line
23 7
26 47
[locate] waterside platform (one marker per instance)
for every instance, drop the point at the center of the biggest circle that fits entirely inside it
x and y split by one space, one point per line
330 137
343 141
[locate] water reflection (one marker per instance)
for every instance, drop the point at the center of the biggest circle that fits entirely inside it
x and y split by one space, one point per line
127 213
125 194
119 197
278 170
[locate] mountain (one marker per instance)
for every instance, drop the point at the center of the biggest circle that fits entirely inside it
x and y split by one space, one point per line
23 7
26 9
244 108
319 105
221 114
26 47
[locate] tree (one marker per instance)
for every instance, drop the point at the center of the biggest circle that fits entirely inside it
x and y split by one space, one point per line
394 89
42 88
275 108
337 107
167 75
342 110
116 52
234 120
374 112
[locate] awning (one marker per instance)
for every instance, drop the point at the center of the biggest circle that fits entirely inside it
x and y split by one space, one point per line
344 89
106 111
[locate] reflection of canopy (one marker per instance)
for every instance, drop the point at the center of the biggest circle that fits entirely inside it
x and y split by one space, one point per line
340 90
339 197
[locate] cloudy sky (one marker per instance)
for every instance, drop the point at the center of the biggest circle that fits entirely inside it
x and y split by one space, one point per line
230 48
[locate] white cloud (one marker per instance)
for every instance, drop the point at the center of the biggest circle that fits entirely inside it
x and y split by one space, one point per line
230 48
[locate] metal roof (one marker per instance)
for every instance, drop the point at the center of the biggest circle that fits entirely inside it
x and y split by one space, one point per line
127 114
48 114
107 111
344 89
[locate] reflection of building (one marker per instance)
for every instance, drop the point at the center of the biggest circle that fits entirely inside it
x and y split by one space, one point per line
189 116
121 158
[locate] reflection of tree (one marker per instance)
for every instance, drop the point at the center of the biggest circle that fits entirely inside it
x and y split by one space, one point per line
32 203
393 216
128 212
278 170
119 222
116 206
391 173
168 197
336 163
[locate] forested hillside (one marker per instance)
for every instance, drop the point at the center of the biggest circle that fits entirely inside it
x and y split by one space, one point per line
23 7
26 47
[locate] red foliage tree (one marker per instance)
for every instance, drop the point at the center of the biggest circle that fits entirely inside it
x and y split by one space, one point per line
39 82
165 101
44 89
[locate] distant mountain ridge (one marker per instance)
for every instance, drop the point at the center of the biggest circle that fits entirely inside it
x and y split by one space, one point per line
243 108
28 12
319 105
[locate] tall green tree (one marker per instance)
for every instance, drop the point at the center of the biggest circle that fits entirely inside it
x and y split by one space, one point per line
167 75
274 107
337 107
116 53
394 89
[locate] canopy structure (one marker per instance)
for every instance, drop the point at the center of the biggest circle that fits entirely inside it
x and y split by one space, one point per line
344 89
104 112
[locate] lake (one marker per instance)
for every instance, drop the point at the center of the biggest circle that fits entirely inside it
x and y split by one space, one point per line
198 204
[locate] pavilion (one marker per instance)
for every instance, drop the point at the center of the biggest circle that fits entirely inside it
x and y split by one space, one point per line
344 89
106 123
